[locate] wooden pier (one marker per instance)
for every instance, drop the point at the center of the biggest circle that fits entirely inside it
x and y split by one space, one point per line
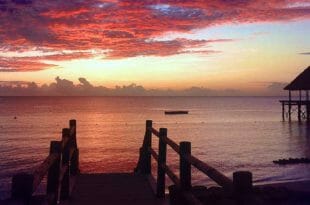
66 185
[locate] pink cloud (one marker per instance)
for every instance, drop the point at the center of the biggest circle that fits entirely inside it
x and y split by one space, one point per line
125 27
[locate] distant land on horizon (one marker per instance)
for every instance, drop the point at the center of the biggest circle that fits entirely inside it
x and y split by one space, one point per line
64 87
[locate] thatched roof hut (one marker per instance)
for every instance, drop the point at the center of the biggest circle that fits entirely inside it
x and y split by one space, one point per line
301 82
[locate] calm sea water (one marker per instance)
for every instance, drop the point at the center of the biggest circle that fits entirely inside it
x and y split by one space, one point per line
230 133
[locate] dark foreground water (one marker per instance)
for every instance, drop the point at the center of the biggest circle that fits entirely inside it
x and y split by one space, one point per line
230 133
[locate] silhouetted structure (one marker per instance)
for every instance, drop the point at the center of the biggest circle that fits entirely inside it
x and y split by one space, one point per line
301 84
66 185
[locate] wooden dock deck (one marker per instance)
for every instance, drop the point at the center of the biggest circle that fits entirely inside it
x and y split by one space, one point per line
113 189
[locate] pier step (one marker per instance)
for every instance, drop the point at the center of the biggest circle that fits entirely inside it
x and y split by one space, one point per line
113 189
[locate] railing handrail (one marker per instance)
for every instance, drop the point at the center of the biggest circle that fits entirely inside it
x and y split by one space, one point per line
63 154
210 171
241 180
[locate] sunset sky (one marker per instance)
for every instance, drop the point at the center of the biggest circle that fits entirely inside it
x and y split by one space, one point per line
246 45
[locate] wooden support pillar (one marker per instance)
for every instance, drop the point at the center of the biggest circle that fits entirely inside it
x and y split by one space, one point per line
308 106
283 111
290 106
74 168
185 167
147 144
308 111
144 163
65 184
299 112
53 174
299 107
72 127
162 152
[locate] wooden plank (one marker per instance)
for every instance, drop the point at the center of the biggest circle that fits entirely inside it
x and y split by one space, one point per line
211 172
172 144
155 132
113 189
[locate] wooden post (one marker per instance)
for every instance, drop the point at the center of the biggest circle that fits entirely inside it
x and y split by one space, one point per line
162 152
185 167
308 111
299 112
65 184
242 182
22 187
289 106
308 107
72 124
283 111
299 107
53 174
74 169
145 154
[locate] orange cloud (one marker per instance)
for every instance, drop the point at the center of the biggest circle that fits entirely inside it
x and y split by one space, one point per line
125 28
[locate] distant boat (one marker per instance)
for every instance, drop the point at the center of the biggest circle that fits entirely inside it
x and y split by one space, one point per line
176 112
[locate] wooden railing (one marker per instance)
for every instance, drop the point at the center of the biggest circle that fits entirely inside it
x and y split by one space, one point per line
181 190
60 166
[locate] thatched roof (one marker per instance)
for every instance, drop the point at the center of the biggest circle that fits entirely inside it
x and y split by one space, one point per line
301 82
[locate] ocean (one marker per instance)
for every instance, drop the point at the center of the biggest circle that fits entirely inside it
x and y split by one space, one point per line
229 133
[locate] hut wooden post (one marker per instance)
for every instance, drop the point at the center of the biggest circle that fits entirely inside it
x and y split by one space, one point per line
65 184
22 187
283 111
162 151
53 173
299 107
74 169
185 167
289 105
308 111
308 106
